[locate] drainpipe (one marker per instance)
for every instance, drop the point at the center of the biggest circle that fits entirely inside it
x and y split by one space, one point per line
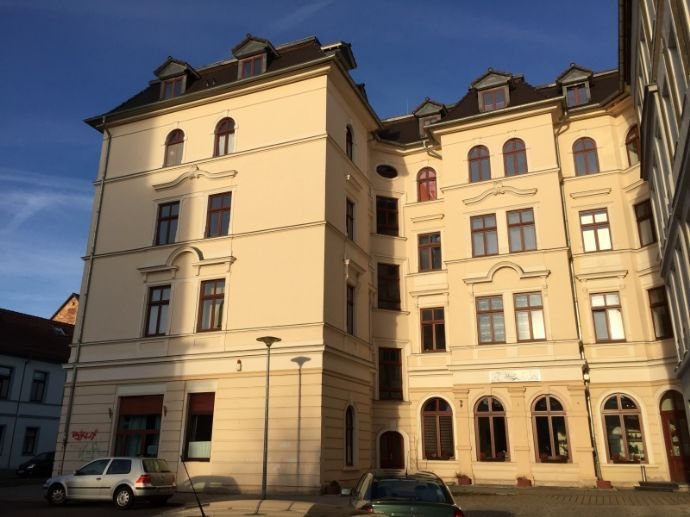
16 413
84 298
576 305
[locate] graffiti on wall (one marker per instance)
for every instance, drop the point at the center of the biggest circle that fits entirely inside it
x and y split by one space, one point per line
87 446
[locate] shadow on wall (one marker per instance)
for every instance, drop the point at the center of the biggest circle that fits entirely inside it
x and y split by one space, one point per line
209 485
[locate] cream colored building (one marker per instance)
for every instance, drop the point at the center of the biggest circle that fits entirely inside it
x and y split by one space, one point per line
465 289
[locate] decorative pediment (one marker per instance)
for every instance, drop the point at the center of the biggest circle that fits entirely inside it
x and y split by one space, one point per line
253 45
521 272
491 79
574 74
429 107
192 174
499 189
174 68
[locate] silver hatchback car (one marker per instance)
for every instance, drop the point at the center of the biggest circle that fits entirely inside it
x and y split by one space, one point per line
119 479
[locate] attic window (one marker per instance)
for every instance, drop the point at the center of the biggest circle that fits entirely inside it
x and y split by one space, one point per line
172 87
577 94
252 66
493 99
427 121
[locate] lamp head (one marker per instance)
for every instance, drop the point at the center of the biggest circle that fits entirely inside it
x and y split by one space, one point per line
268 340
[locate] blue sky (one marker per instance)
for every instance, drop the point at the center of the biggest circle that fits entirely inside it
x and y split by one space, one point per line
65 60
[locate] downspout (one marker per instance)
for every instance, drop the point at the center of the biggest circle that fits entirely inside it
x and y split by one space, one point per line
84 298
16 413
576 304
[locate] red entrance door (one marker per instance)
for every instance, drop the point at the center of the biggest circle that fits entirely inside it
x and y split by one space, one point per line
674 423
391 447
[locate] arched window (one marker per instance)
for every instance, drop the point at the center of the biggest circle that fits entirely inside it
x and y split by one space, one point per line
225 137
585 155
437 422
174 144
632 146
350 436
480 165
349 142
490 428
623 427
426 184
550 432
514 157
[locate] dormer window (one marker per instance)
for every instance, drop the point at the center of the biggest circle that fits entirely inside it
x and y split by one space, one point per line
577 94
496 98
252 66
172 87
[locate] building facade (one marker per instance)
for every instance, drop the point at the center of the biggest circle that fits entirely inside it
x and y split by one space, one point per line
472 289
656 62
32 351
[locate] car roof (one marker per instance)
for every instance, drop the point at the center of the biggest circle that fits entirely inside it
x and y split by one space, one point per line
406 474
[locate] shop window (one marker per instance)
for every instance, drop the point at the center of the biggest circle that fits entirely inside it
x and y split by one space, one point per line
550 432
199 426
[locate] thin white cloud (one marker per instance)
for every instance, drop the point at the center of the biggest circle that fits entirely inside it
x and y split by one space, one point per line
298 16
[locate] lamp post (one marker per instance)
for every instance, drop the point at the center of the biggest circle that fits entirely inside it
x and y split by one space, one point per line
268 341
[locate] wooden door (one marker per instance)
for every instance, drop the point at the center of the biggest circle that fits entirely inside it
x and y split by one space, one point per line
392 447
674 424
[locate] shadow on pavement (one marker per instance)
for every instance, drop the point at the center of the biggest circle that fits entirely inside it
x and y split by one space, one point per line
488 513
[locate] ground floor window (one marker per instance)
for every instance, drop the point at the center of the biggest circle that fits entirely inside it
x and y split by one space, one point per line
138 426
30 441
550 430
623 424
199 426
492 438
437 421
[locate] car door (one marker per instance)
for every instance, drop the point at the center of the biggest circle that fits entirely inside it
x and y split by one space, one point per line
86 482
118 470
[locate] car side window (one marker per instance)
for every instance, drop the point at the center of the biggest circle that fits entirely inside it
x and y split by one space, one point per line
358 486
95 468
120 467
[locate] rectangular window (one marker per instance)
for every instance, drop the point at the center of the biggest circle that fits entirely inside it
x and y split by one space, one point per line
390 374
529 317
252 66
521 231
166 223
490 320
433 330
199 426
211 305
38 386
350 219
596 234
608 317
30 441
388 276
172 87
5 379
157 311
386 215
661 316
138 426
429 246
2 438
218 215
577 94
645 223
350 317
484 236
493 99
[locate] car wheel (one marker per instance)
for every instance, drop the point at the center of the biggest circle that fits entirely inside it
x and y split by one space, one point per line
123 497
56 494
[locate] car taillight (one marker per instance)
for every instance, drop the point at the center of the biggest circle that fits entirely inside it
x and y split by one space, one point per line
458 513
367 508
144 479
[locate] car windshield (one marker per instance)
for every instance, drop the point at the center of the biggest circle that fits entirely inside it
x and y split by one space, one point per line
408 489
155 465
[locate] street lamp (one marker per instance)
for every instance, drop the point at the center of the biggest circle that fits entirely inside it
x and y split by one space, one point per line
268 341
